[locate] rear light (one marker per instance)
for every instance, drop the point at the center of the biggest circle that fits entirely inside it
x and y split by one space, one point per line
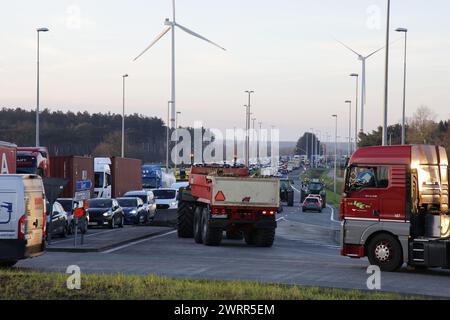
218 211
268 213
22 227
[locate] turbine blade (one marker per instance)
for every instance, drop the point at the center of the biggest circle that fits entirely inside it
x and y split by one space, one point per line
346 46
192 33
154 42
382 48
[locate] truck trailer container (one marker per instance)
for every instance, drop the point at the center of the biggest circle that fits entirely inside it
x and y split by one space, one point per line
126 176
394 208
8 156
73 169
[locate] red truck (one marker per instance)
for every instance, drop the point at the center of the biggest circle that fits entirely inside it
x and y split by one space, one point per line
8 153
227 199
33 160
72 169
395 207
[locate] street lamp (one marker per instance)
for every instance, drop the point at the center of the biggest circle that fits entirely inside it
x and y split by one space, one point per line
123 114
349 127
356 108
176 145
39 30
167 135
335 157
386 77
247 141
405 31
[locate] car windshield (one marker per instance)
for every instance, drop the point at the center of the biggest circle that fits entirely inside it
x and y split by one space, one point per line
312 200
143 197
66 204
100 203
164 194
127 203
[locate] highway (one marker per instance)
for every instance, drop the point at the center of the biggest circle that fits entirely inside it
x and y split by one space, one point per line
306 252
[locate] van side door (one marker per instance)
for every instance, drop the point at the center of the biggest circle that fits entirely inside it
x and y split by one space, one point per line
35 212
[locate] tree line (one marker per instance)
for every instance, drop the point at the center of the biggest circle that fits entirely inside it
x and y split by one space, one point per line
83 133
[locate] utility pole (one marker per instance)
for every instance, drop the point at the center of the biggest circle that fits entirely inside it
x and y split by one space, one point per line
247 147
123 114
167 136
386 80
335 158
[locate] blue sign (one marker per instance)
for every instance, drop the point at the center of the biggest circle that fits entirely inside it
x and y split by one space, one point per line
84 185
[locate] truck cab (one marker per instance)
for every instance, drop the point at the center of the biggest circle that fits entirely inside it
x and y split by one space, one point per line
394 208
151 177
33 160
103 178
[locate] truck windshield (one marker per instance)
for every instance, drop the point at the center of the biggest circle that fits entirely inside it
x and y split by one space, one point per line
164 194
315 186
99 178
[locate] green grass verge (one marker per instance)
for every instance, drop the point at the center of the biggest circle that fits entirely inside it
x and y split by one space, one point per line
22 285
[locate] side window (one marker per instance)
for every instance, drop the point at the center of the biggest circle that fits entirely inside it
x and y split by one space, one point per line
368 178
382 177
108 180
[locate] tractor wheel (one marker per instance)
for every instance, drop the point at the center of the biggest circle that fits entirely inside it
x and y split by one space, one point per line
210 236
185 223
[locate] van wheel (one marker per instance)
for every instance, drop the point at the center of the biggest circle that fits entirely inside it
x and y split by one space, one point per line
198 225
7 263
386 252
210 236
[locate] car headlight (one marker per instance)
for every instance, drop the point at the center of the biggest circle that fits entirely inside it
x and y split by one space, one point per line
173 204
134 212
108 213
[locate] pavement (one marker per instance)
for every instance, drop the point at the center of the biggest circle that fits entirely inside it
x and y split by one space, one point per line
306 252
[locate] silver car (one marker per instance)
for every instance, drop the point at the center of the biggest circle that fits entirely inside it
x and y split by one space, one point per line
312 204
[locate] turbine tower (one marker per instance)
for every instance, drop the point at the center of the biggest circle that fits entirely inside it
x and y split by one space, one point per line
170 26
363 79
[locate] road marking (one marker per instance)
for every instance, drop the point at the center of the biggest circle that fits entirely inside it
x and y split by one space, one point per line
332 214
138 242
282 218
85 236
295 189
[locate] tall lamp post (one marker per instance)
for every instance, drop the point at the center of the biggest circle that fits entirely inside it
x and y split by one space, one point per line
386 78
355 75
335 157
405 31
123 114
176 146
167 135
39 30
247 145
349 127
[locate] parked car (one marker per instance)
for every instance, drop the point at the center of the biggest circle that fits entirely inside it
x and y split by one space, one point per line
147 197
22 218
312 204
134 211
69 205
105 212
166 198
57 220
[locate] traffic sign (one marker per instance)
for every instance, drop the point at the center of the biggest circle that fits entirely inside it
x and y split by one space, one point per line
84 185
82 195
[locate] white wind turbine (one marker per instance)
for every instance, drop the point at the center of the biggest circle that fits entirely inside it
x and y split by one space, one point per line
363 78
170 26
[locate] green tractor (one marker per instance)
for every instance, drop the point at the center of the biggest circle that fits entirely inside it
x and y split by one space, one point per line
287 192
316 187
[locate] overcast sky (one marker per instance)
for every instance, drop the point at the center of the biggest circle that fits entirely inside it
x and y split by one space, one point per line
285 50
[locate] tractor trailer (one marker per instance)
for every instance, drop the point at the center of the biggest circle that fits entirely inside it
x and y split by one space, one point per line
227 199
8 154
394 208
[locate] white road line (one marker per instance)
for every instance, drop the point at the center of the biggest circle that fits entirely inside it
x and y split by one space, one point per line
332 214
85 236
140 241
282 218
295 189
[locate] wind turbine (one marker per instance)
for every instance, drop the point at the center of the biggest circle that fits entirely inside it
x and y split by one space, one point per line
363 78
170 26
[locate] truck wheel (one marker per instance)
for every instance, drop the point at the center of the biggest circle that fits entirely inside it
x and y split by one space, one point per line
386 252
198 225
185 223
210 236
7 263
249 238
290 199
235 235
324 198
302 196
264 237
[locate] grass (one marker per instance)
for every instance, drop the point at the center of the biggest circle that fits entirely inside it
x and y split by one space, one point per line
22 285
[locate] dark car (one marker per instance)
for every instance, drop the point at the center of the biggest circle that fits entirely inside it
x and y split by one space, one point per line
69 206
57 220
105 212
287 192
312 204
134 210
147 197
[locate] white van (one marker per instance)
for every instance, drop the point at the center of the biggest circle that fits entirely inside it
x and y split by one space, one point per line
22 218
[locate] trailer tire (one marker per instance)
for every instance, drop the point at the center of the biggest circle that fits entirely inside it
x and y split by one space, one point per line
210 236
235 235
264 237
386 252
185 223
249 238
198 225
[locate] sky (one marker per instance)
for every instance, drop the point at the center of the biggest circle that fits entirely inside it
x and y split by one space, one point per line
284 50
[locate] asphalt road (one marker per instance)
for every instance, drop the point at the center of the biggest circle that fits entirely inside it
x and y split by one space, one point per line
305 252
